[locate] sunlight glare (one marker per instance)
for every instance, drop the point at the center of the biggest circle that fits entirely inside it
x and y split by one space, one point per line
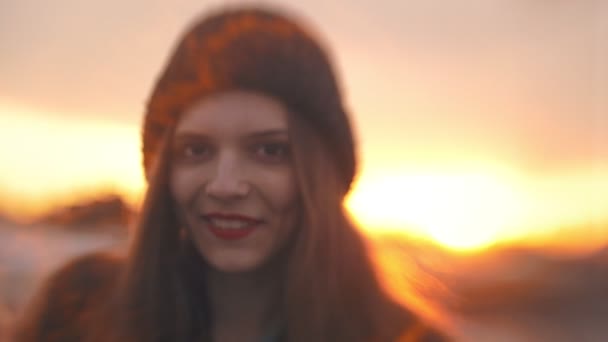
66 156
460 210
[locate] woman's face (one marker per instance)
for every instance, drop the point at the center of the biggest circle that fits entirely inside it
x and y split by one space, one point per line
232 179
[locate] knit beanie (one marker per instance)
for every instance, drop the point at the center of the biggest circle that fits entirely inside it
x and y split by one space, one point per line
258 50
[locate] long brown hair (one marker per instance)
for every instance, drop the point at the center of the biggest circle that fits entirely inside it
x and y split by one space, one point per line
330 290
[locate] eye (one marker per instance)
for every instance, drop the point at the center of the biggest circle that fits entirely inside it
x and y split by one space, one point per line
195 150
192 151
272 152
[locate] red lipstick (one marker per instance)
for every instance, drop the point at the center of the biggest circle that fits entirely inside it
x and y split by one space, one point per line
231 227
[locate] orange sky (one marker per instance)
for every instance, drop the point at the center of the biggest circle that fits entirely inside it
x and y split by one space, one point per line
477 122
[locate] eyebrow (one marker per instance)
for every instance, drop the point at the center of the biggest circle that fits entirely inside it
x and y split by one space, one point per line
254 135
267 133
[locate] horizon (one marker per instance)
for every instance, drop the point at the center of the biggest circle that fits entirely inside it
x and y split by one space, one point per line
561 240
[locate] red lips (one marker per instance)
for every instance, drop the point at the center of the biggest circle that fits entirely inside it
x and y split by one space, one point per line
236 217
231 234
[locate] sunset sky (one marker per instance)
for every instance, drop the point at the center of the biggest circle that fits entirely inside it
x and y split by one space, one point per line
477 121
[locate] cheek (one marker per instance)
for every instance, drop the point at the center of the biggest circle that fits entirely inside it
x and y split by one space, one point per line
282 191
183 185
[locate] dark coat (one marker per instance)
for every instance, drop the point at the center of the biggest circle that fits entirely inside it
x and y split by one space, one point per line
63 309
66 307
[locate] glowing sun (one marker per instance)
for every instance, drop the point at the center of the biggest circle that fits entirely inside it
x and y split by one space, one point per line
460 210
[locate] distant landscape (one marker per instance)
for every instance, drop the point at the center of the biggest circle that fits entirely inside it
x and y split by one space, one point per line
509 293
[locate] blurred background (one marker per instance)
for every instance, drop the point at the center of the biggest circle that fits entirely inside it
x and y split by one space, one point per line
482 130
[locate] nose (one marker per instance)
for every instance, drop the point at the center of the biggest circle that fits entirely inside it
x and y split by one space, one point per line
227 182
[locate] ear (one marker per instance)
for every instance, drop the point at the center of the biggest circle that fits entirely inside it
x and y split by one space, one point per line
184 234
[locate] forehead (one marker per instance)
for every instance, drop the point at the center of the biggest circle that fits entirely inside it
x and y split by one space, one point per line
233 111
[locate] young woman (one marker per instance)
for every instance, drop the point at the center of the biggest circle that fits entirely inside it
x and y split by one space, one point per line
249 153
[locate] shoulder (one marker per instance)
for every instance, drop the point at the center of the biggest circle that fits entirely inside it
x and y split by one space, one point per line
422 332
403 325
86 274
68 298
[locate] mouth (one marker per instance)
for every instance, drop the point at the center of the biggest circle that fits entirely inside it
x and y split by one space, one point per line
231 226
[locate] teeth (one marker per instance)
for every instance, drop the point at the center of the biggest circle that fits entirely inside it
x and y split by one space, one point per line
229 224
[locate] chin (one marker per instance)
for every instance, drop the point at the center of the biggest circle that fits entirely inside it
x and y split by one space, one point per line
235 263
226 267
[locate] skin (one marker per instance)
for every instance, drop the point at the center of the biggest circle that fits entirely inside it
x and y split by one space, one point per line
231 156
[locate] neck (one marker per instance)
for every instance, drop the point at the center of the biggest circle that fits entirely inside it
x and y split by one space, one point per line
244 306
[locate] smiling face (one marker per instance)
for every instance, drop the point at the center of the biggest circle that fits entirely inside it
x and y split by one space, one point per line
232 179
